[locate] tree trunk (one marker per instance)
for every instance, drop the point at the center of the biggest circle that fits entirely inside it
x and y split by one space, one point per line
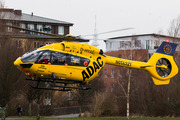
127 108
129 82
38 117
80 110
29 111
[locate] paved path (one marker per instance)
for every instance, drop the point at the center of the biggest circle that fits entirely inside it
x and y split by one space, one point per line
60 116
63 116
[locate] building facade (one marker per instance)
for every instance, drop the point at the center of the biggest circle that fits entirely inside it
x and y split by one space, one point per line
32 22
135 47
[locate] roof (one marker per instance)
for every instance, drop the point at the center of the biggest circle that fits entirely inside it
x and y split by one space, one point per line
31 18
153 34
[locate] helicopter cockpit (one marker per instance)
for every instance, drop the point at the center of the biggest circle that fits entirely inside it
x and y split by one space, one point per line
45 56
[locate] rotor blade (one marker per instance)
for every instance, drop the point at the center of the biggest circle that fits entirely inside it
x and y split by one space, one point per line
68 38
109 32
49 34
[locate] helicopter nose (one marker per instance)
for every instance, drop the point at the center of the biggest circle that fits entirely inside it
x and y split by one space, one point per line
17 62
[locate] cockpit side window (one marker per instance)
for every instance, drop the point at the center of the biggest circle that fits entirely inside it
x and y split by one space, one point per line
58 58
45 58
31 57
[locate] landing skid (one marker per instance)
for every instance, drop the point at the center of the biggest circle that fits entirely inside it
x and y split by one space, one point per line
52 81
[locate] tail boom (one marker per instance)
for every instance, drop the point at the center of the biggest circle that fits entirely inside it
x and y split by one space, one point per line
161 66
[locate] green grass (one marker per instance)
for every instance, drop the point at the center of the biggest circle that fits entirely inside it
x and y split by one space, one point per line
95 118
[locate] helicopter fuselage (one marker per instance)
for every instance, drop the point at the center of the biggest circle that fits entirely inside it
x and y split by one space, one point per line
68 64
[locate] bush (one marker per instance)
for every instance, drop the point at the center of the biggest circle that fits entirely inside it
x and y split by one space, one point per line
103 105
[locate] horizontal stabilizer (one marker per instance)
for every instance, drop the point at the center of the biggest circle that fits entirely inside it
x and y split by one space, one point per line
160 82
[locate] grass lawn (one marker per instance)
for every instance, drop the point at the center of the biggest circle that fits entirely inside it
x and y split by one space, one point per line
94 118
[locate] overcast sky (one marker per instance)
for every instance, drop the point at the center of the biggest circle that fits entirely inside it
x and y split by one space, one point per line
145 16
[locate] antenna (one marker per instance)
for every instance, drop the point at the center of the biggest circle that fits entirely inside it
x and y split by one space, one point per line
95 43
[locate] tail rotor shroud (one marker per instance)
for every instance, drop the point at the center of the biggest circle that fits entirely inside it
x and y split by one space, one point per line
163 67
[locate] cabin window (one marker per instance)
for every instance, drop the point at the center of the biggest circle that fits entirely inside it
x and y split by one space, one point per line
58 58
45 58
78 61
72 60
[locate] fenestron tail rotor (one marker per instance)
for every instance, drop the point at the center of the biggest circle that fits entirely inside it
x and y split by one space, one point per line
163 67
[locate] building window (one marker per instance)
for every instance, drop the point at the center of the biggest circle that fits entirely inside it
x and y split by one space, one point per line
9 29
106 46
48 99
39 28
148 44
61 30
31 27
47 29
22 26
36 44
127 44
112 87
112 73
19 43
130 56
120 73
111 45
137 43
121 44
48 43
105 73
69 96
120 56
105 85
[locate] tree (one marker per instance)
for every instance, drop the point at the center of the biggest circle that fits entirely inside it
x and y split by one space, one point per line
85 96
131 54
9 74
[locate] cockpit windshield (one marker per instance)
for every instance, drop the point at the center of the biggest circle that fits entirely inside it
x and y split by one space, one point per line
32 56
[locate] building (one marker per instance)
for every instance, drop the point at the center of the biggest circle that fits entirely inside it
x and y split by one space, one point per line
134 47
30 21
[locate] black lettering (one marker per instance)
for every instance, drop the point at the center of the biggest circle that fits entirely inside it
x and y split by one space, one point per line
95 66
123 63
101 62
91 72
85 75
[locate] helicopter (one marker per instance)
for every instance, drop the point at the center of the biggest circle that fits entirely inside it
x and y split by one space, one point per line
65 63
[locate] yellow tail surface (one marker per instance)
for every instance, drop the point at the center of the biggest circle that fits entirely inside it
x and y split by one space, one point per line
161 66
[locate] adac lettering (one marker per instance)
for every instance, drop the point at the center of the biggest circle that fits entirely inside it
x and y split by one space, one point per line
86 50
123 63
90 70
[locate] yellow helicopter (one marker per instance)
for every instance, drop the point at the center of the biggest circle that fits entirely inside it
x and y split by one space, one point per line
79 63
